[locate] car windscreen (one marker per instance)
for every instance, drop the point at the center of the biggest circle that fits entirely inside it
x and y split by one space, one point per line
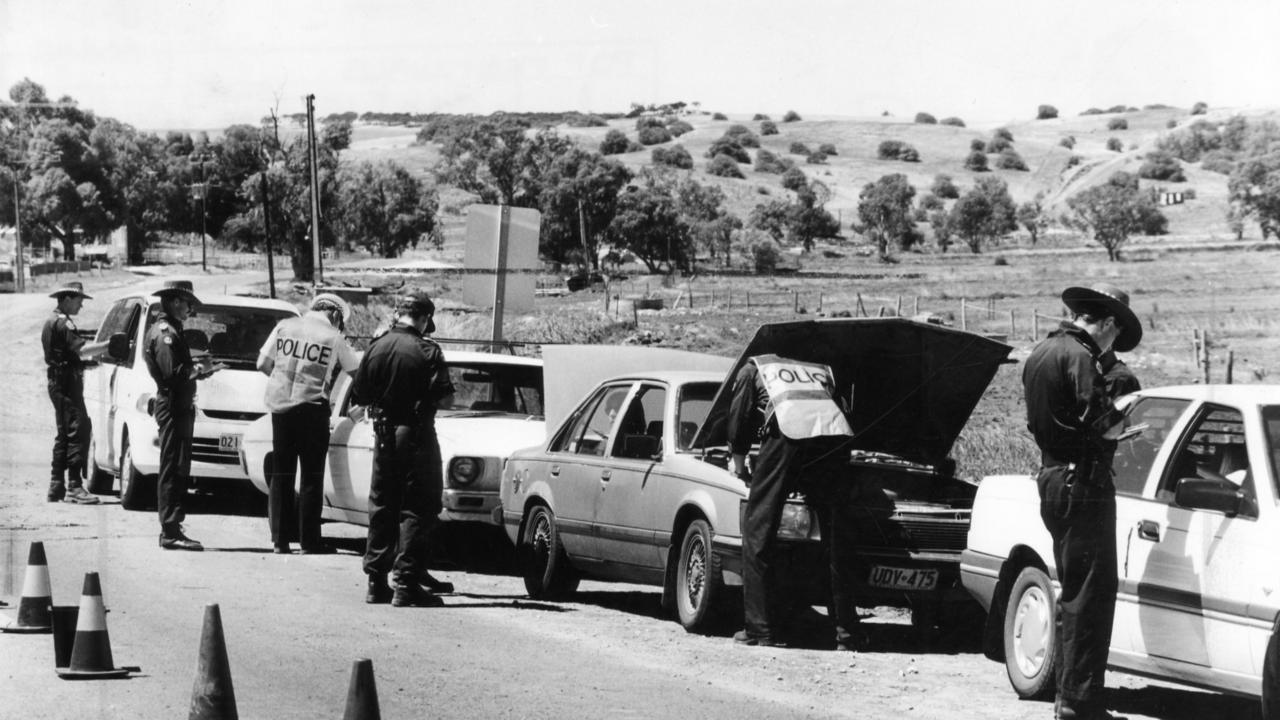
232 334
694 404
496 387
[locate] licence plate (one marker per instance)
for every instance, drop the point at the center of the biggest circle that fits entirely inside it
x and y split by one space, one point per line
229 443
902 578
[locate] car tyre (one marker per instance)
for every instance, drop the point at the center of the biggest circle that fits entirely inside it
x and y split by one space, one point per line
100 482
1030 635
1271 679
543 562
137 491
699 582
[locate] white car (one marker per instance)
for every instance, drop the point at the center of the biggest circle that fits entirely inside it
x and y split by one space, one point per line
496 408
1198 525
120 393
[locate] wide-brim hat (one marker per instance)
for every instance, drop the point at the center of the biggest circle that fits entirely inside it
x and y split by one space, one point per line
178 288
1116 303
327 301
72 288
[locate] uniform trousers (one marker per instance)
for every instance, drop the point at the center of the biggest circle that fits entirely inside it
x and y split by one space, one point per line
404 500
835 493
299 436
1081 517
71 444
176 419
774 476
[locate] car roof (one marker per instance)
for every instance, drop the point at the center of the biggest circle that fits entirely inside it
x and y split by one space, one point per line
670 377
236 301
1233 394
471 356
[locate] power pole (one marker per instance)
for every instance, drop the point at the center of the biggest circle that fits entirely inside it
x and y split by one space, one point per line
317 277
20 262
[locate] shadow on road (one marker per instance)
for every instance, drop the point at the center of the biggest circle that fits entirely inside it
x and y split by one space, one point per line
1180 703
634 602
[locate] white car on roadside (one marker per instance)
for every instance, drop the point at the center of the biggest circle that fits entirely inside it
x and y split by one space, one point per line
1197 528
496 408
120 393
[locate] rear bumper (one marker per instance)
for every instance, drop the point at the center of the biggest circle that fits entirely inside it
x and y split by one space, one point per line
980 574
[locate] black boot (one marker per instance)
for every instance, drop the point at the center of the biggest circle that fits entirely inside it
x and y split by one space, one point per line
411 594
378 591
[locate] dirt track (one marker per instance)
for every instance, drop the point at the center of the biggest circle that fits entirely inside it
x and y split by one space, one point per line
294 624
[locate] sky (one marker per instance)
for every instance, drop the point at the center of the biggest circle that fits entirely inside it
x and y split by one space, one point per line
174 64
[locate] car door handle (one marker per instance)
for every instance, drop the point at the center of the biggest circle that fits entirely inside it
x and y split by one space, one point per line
555 471
1149 530
605 475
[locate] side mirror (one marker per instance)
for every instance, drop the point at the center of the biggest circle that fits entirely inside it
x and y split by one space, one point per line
1209 494
118 347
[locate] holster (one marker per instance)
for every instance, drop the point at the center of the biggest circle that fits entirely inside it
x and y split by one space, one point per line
384 431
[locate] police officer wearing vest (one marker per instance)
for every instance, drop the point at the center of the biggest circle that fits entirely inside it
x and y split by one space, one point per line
788 407
64 354
402 378
301 359
171 365
1074 422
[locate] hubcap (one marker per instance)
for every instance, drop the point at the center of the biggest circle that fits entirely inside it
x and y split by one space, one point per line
541 537
695 569
1031 629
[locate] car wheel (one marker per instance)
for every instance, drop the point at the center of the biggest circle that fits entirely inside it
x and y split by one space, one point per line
699 584
1030 635
1271 679
137 491
100 481
543 562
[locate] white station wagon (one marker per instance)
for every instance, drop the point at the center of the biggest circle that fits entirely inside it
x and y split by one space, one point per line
1197 531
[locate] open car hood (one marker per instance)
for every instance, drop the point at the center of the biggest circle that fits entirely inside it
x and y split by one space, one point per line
914 384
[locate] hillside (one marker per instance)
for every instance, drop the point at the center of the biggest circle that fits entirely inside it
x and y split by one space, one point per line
942 149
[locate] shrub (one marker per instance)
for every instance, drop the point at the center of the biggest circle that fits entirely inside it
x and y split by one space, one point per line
647 121
758 117
1117 124
791 116
1189 194
794 179
909 154
953 121
1092 111
1161 165
674 156
1115 145
1119 109
1002 133
768 161
719 116
943 187
977 161
1074 160
817 158
897 150
1171 124
798 148
615 143
925 118
978 145
654 135
1068 142
633 146
768 127
920 215
929 201
999 144
724 166
1222 162
742 135
581 120
727 146
1009 159
678 128
765 256
827 149
1199 108
1046 112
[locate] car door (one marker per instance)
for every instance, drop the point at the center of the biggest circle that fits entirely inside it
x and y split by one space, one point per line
625 521
578 464
349 470
1196 569
99 384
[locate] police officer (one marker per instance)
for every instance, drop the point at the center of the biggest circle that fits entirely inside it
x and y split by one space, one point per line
788 406
1075 424
64 354
402 378
301 358
170 363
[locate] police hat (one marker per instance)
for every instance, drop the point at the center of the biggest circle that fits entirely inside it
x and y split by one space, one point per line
1110 300
74 287
178 288
417 304
329 301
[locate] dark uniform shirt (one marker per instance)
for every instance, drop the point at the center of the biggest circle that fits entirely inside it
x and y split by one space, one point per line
1067 404
169 360
403 374
1120 380
746 409
61 342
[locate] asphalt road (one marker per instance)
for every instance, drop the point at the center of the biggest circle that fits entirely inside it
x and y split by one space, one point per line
293 625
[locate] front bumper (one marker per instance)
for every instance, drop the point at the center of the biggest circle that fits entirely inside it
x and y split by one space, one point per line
210 460
462 505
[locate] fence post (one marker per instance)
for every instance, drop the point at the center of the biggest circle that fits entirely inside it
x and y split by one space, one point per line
1012 325
1035 324
1204 348
964 322
1231 364
795 301
1195 347
748 299
915 305
897 308
819 302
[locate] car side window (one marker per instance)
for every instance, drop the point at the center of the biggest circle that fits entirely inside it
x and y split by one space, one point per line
590 431
1214 448
640 432
1135 456
121 319
1271 424
691 410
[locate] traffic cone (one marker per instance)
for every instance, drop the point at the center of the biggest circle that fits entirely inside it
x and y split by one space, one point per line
362 693
91 651
33 608
212 697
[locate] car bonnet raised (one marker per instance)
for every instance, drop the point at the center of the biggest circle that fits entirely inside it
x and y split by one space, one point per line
914 384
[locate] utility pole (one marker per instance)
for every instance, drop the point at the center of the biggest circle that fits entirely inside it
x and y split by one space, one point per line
266 229
19 262
317 277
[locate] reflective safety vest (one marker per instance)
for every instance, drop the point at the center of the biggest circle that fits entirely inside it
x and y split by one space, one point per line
800 398
301 357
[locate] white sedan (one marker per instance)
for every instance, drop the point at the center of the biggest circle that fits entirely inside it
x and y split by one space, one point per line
497 408
1198 523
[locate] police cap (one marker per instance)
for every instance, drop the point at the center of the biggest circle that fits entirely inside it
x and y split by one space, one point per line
417 304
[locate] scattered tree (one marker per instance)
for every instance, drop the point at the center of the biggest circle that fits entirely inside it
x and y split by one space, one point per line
1162 165
794 179
768 127
1199 108
730 147
984 214
953 121
654 135
978 145
791 116
384 208
1114 145
798 148
723 165
977 161
827 149
1009 159
944 187
884 211
1031 216
925 118
1046 112
1118 124
1068 142
675 156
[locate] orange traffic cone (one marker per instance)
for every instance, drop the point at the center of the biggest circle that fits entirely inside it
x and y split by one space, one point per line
212 697
362 694
33 608
91 651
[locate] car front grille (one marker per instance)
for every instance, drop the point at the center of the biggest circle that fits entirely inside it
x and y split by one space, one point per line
232 415
206 450
929 531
